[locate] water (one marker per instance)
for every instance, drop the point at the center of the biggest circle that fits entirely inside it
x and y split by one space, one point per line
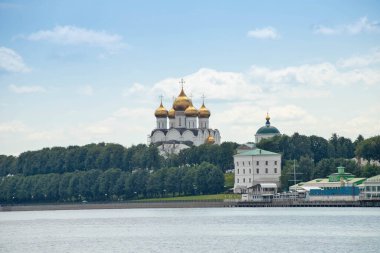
192 230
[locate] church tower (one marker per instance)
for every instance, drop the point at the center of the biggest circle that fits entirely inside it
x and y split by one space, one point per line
204 115
161 117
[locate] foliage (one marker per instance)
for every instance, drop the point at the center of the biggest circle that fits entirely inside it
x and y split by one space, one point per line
369 149
112 184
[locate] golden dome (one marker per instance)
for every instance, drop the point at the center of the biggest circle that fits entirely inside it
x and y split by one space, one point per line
210 139
181 102
191 111
204 112
161 112
171 113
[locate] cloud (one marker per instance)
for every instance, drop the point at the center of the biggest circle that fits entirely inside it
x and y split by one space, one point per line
86 90
361 60
321 74
12 127
26 89
11 61
214 84
264 33
360 26
72 35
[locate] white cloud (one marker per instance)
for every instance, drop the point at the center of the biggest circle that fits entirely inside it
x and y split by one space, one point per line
324 30
86 90
360 26
361 60
321 74
72 35
12 127
264 33
26 89
11 61
214 84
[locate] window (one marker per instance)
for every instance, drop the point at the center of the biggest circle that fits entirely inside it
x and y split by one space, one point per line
250 171
237 180
275 170
249 163
257 163
243 171
243 180
250 180
243 163
257 171
275 162
266 162
238 171
237 163
266 170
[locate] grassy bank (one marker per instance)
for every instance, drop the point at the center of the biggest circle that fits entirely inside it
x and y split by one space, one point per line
195 198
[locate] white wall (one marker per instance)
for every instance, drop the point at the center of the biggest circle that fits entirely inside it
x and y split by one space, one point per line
246 170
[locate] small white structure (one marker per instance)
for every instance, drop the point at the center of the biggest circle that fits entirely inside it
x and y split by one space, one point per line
371 189
266 131
256 167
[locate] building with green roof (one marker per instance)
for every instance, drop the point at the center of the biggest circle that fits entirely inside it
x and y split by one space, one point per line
257 170
371 188
266 131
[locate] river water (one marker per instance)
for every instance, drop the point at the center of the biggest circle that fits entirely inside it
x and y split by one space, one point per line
192 230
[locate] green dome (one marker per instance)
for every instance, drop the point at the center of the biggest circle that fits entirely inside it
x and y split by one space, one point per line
268 130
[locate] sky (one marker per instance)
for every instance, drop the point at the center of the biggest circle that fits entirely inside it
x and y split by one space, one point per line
79 72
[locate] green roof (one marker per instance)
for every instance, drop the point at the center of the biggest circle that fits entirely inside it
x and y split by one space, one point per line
268 130
256 152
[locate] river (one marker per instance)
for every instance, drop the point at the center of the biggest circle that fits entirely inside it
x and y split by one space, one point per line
192 230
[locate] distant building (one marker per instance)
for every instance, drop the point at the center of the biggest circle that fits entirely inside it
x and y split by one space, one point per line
340 186
245 147
257 170
266 131
371 188
182 126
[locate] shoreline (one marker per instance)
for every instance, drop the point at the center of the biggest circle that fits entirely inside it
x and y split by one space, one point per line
175 204
113 205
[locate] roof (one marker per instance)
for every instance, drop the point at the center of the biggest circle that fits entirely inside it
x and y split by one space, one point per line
256 152
375 179
355 180
268 185
268 130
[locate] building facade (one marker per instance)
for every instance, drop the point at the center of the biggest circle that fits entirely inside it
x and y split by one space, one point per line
182 124
255 167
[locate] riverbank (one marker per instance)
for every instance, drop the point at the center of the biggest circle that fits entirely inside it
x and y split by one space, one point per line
182 204
115 205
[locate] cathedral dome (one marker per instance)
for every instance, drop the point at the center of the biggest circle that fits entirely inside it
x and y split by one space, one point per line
191 111
210 139
204 112
161 112
181 102
171 113
268 129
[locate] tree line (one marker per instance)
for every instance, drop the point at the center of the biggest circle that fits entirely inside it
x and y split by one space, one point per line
104 156
112 184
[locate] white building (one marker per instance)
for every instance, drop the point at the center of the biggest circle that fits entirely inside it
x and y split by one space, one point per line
182 124
256 167
371 190
266 131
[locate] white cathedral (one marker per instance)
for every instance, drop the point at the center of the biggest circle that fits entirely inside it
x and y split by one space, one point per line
182 126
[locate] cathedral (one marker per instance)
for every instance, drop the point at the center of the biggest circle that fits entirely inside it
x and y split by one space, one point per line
182 126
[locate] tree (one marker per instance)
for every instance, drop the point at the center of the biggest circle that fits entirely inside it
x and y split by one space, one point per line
369 149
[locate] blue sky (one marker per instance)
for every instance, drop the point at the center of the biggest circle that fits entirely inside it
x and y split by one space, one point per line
76 72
